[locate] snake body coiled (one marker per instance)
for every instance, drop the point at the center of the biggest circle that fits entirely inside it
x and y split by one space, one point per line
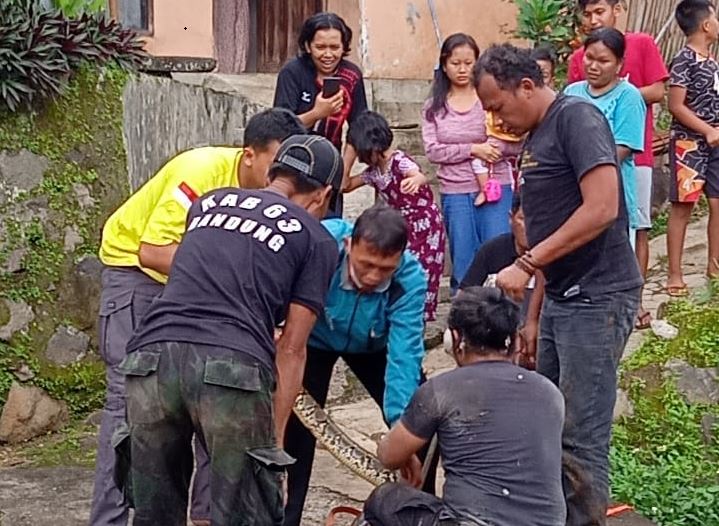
339 445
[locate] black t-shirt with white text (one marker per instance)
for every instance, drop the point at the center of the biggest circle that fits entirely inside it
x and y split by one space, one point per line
572 139
246 255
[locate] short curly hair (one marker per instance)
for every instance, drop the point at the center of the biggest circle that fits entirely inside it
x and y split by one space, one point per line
508 65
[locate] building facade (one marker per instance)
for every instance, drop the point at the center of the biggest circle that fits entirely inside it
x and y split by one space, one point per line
394 39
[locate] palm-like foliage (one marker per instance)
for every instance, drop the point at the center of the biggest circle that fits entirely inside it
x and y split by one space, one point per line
40 48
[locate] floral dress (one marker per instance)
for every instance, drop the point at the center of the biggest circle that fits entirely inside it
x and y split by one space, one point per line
424 221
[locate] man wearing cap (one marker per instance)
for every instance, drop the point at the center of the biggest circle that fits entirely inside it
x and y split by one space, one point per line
203 358
374 321
138 245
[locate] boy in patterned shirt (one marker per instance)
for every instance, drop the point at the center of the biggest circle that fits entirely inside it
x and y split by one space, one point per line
694 149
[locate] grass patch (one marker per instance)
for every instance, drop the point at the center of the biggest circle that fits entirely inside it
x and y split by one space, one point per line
696 344
659 224
73 446
664 459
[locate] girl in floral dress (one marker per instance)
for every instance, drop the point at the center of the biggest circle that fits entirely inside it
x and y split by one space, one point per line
404 187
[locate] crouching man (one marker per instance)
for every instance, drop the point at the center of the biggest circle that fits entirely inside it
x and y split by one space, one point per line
499 430
373 321
203 358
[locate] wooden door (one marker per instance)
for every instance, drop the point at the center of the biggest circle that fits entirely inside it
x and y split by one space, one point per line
278 26
232 28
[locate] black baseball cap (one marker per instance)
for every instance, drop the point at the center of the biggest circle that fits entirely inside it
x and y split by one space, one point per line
311 156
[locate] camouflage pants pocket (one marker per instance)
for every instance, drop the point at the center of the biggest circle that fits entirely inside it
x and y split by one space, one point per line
142 388
262 491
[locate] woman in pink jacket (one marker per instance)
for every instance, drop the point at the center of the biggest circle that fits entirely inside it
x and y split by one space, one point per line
454 134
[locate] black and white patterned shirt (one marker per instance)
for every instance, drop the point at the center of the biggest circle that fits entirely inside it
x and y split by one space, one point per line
699 75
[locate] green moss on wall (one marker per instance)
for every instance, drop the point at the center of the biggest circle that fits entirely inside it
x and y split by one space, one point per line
4 314
80 134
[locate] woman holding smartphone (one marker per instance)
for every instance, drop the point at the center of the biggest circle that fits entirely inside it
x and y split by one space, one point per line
321 86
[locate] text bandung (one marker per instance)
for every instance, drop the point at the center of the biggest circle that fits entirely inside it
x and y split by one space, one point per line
262 233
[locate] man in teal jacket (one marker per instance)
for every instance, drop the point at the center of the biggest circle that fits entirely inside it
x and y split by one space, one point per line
373 320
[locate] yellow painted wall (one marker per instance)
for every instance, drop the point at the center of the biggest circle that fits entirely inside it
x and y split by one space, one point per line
392 38
169 38
396 38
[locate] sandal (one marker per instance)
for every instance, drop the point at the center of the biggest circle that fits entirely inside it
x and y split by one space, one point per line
644 320
677 291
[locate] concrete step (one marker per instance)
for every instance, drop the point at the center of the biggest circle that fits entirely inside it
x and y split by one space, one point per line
258 88
399 90
398 113
400 101
629 518
409 140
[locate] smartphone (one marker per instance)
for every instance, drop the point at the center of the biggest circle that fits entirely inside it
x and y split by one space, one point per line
330 86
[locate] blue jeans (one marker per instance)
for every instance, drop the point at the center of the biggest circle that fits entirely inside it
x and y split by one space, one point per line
580 344
469 226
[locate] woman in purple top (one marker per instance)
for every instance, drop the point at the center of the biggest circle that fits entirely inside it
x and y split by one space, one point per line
454 134
400 182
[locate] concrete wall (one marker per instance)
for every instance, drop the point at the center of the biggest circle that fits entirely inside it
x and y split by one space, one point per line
397 39
392 39
163 117
169 36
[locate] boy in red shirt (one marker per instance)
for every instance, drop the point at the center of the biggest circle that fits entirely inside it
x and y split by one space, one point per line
645 69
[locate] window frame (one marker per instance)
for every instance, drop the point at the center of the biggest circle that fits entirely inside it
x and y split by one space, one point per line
150 31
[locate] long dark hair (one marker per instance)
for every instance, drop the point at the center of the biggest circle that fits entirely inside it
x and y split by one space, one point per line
321 21
441 83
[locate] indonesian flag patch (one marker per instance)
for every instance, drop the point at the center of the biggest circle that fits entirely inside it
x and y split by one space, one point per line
185 195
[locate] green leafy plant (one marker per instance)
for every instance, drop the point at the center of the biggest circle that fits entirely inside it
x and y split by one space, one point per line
549 22
77 7
665 458
41 48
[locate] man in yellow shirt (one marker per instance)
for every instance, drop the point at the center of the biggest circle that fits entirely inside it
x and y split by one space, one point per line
138 246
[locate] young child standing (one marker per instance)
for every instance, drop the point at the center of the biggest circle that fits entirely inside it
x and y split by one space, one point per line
404 187
694 148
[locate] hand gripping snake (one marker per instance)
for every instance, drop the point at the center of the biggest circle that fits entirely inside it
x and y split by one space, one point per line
339 445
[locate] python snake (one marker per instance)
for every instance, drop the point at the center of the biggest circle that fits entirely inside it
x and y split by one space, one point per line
339 445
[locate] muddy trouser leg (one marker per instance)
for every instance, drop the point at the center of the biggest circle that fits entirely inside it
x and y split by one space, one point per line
232 411
225 398
369 369
299 442
161 431
580 345
200 503
126 295
396 504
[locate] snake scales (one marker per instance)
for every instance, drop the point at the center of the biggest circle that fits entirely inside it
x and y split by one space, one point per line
340 446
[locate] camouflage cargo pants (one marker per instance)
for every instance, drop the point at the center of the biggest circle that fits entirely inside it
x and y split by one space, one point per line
177 389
